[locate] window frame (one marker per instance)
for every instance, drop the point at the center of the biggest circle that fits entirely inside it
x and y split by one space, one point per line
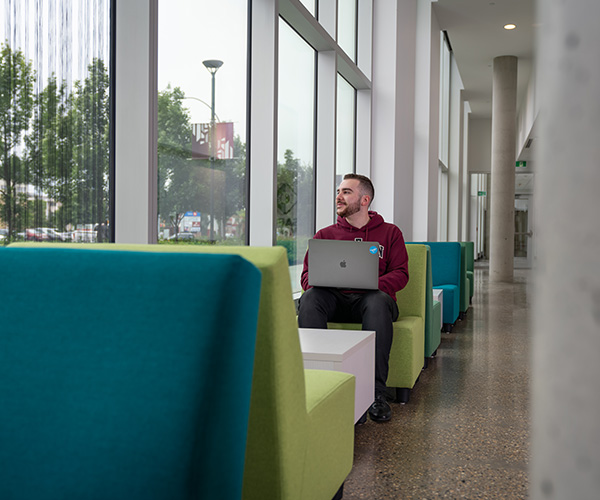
136 218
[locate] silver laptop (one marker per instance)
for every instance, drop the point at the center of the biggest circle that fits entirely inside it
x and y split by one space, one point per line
343 264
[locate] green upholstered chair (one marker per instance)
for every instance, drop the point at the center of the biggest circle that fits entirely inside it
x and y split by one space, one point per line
433 311
301 428
408 346
107 369
437 315
465 287
470 248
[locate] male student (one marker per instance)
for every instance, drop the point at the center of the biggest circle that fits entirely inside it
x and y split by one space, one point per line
375 309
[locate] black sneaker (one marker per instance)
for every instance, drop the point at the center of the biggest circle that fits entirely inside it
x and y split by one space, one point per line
380 410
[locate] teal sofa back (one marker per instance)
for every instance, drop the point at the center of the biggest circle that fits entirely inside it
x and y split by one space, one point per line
300 440
113 370
446 274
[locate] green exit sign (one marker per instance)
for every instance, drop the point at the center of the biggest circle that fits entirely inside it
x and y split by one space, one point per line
481 193
521 164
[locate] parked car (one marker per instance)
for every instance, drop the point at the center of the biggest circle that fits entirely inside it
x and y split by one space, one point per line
182 236
66 236
50 233
36 235
84 236
3 234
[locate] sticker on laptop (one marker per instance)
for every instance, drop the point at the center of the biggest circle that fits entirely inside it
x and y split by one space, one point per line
373 250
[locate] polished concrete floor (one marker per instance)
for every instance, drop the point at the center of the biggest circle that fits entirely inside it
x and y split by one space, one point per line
465 431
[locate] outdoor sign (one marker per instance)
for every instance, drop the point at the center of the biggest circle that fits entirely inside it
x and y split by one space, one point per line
191 222
223 141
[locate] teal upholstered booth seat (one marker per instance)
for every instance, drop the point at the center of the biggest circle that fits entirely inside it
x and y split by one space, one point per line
408 346
112 371
446 275
300 441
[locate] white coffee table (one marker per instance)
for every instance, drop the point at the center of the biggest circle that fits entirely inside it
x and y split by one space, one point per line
349 351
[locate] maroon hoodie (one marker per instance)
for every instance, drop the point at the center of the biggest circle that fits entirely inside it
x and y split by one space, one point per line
393 258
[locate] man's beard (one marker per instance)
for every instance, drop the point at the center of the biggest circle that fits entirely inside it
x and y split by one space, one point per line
348 210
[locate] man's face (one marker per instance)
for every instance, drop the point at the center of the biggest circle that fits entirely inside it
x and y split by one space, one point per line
347 201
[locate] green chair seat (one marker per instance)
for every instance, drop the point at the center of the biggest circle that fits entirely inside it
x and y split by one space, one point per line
329 400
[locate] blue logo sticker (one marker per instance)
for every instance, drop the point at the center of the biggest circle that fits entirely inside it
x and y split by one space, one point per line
373 250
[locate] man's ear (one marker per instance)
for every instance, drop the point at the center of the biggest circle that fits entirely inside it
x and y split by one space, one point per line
365 200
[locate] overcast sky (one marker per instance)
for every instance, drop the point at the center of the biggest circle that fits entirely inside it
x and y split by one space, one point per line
191 31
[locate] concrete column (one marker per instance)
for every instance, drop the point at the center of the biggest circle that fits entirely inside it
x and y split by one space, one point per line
504 129
566 342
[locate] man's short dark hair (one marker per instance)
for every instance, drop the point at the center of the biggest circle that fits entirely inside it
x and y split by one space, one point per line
366 186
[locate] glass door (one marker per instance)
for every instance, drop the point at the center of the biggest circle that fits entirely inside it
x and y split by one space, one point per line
523 233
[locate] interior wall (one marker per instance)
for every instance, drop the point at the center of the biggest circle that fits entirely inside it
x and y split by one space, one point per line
480 145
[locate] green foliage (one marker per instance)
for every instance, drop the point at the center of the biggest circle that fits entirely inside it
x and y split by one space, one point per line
55 145
295 247
186 184
295 197
16 105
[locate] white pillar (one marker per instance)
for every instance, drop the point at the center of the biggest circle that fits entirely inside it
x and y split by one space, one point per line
263 124
136 98
566 344
426 124
455 157
504 125
393 110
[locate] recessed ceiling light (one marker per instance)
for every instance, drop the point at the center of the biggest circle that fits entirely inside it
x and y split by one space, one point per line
510 26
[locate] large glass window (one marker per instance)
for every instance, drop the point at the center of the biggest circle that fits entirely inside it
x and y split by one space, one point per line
444 138
347 27
310 5
345 128
442 202
444 126
202 75
295 150
55 127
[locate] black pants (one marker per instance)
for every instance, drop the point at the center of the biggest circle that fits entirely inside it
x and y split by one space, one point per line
374 309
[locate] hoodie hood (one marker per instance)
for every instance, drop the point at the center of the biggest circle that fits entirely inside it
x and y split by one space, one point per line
375 221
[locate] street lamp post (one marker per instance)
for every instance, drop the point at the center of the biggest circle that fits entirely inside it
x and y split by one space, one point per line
212 65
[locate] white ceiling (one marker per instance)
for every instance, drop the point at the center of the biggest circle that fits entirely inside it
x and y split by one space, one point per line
477 35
